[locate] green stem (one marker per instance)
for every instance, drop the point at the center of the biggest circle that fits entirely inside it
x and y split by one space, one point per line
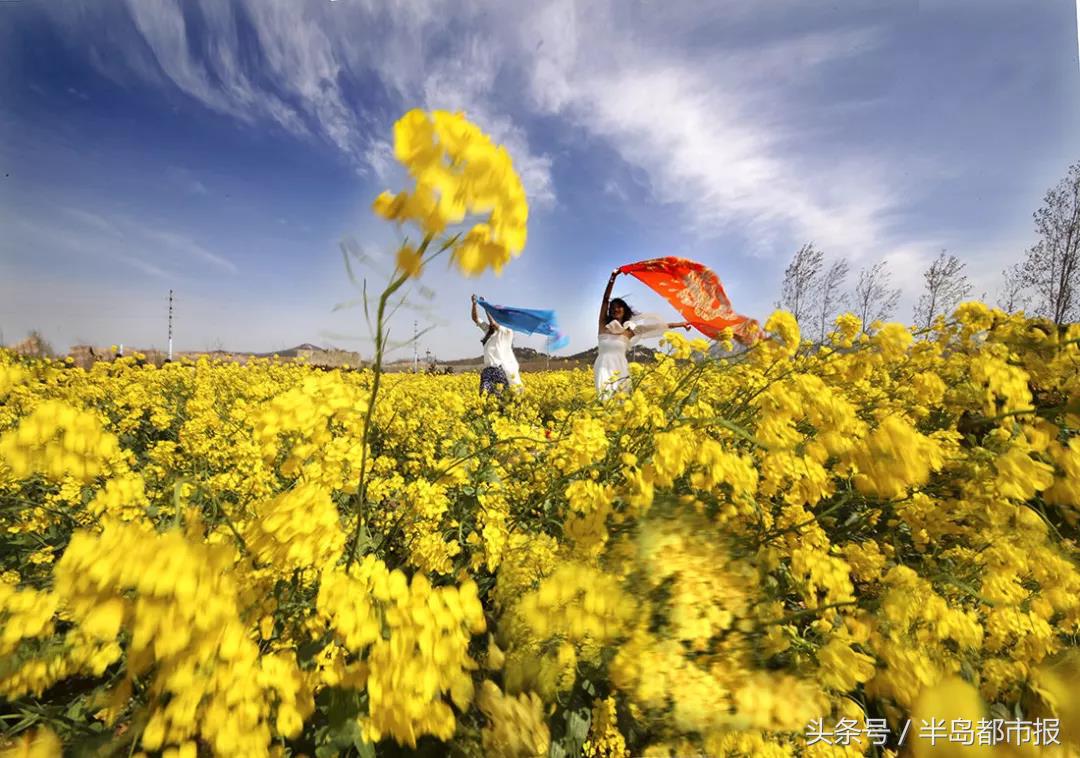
809 612
731 426
380 344
1021 412
219 511
497 443
843 499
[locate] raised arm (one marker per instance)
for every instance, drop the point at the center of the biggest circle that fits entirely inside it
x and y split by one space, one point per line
475 316
604 302
679 325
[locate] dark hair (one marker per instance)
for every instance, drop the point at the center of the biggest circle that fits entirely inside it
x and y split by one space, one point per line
611 309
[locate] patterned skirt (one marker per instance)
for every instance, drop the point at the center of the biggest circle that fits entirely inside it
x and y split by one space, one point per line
491 376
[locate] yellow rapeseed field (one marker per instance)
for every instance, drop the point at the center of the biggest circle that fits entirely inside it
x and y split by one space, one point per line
213 559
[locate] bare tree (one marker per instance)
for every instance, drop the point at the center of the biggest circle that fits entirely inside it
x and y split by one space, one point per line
802 280
832 298
1013 295
35 345
873 298
946 287
1052 266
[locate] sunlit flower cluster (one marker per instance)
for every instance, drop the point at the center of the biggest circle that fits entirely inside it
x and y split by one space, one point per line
881 526
299 529
59 441
416 638
459 172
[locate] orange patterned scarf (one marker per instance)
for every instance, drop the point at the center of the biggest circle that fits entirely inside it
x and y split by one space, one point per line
697 294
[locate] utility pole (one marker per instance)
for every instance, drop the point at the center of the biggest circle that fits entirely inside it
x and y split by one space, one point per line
170 325
415 348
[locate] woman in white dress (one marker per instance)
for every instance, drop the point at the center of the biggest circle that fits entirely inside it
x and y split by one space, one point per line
619 327
500 365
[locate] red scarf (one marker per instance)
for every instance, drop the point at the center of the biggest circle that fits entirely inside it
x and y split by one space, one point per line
697 294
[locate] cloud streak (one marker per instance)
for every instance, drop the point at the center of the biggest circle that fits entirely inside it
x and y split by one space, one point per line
709 127
177 247
305 65
695 127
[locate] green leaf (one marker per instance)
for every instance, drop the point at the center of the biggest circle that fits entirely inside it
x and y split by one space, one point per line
578 724
577 729
343 709
75 711
364 749
92 747
349 734
364 543
306 652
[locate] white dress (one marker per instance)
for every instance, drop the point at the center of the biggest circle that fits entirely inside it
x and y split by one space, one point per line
611 369
499 351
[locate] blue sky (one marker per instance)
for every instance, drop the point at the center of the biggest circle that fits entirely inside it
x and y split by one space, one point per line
225 149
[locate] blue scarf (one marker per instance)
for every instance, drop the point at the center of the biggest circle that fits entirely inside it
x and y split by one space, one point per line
528 321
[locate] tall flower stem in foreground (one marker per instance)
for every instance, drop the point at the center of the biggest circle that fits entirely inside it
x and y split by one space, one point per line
396 283
459 174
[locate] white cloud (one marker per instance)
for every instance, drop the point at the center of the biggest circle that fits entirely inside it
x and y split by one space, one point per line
218 79
613 188
708 130
164 29
93 237
466 84
379 155
164 242
304 62
186 180
311 55
709 126
91 219
733 114
144 266
173 244
551 38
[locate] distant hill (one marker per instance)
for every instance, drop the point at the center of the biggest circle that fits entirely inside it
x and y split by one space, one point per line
313 355
523 354
529 358
293 352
